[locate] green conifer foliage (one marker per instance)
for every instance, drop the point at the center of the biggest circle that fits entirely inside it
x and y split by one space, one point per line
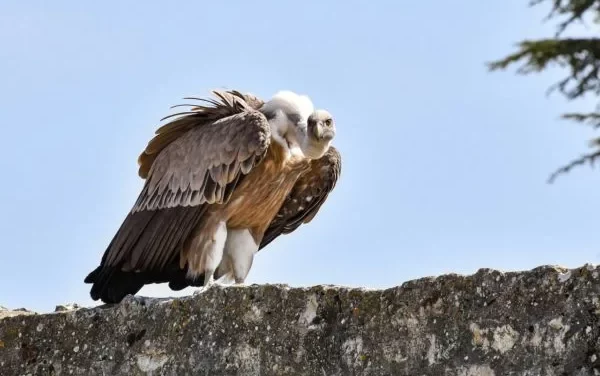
580 57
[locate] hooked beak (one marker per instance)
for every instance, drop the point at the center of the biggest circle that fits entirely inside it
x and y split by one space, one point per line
324 133
328 134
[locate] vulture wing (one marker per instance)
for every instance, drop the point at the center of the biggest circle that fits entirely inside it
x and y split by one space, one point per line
194 161
307 196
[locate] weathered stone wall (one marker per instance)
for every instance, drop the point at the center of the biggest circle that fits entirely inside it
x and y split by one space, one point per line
540 322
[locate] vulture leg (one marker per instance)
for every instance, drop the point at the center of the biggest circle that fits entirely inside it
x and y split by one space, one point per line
206 252
238 255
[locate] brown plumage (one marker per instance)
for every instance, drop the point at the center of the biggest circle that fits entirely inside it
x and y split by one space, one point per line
215 167
308 194
232 102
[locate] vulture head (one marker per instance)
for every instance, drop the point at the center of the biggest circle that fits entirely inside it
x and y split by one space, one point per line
296 125
319 134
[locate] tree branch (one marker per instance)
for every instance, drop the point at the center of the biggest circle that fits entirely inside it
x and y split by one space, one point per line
587 158
573 9
581 56
592 119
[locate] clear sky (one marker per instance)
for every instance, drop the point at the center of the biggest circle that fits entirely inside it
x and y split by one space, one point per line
444 163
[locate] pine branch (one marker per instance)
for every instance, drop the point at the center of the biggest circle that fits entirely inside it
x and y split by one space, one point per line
581 56
592 119
573 9
587 158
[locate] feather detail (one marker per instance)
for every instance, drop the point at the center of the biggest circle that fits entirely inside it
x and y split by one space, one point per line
231 103
247 165
306 198
193 160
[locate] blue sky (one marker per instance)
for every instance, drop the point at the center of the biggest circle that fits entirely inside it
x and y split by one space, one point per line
444 163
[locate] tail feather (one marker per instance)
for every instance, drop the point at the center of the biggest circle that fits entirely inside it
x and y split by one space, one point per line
111 285
179 281
147 245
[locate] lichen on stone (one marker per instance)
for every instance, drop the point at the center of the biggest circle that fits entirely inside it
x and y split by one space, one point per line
539 322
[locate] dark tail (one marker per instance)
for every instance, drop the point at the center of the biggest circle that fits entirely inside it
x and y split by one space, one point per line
149 242
111 285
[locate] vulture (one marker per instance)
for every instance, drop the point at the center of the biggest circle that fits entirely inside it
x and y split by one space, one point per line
222 180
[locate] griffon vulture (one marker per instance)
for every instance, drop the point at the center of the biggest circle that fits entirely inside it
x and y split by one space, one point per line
222 181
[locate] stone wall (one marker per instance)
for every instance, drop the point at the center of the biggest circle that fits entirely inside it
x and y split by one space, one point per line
539 322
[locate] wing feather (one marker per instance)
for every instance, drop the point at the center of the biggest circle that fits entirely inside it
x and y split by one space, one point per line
306 198
193 162
200 160
171 131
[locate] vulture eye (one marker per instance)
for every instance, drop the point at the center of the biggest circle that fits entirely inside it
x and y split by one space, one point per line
328 122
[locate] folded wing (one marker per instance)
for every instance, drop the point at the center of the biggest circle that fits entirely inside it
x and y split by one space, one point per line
194 161
307 196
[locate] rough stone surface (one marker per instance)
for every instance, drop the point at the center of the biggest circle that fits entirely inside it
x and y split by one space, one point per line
539 322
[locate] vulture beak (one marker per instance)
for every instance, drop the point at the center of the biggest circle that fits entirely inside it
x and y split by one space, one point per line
322 132
328 134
